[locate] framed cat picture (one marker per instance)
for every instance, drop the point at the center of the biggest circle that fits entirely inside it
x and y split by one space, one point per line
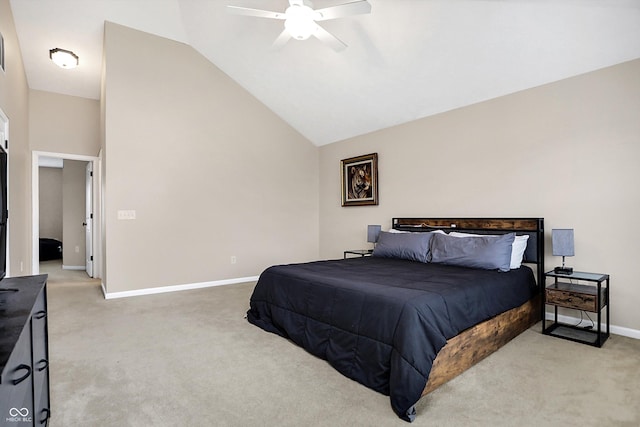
360 180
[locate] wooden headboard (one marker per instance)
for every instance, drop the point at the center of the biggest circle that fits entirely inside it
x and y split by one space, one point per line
534 227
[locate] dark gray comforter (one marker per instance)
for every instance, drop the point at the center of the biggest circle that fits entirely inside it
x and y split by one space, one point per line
382 321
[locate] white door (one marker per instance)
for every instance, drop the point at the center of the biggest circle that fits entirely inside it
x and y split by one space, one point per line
88 221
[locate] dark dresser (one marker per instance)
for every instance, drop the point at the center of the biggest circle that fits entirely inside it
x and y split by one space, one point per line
24 353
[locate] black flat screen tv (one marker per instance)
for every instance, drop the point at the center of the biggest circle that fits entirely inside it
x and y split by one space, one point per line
4 214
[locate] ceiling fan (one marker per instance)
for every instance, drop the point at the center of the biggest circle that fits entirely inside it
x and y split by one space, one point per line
300 20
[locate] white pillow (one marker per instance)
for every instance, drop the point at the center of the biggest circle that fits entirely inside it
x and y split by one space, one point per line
393 230
517 248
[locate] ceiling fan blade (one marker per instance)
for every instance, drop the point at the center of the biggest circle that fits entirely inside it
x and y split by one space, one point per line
282 39
329 39
246 11
358 7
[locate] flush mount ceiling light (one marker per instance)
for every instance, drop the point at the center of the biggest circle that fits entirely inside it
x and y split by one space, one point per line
63 58
300 20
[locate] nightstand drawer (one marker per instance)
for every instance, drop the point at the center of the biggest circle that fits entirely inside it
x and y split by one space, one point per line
578 297
572 300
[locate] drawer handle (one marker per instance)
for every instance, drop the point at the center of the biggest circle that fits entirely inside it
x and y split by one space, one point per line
46 413
25 376
40 314
43 364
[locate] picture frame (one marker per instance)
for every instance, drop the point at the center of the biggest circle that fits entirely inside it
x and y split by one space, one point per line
359 180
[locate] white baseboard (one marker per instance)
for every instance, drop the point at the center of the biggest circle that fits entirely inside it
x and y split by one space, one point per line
618 330
74 267
175 288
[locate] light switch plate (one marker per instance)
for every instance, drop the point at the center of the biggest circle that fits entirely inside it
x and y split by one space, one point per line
128 214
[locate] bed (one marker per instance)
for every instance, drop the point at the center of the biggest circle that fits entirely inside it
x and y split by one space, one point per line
50 249
405 321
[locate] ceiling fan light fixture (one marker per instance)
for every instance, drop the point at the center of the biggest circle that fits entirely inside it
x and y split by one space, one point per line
64 58
300 22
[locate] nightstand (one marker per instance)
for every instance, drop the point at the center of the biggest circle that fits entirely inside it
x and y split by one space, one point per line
359 252
577 291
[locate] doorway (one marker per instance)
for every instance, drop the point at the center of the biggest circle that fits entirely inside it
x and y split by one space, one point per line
90 218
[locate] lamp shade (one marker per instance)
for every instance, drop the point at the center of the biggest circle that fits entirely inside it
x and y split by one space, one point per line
562 241
373 231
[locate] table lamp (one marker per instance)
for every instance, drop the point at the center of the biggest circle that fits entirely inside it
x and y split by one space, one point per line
562 242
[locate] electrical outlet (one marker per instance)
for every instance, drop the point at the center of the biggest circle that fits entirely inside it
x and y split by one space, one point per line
21 266
233 260
77 249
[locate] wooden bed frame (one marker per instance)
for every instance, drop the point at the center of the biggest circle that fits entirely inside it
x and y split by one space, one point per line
474 344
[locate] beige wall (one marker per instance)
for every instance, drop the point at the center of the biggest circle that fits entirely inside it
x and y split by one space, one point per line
63 124
210 171
566 151
50 202
14 102
67 125
74 208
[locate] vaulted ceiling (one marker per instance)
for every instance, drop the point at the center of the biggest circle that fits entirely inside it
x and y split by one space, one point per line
405 60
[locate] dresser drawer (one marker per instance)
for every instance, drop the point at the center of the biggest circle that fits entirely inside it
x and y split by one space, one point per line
578 297
16 398
24 373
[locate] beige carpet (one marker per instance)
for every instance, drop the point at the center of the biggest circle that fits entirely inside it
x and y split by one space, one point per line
191 359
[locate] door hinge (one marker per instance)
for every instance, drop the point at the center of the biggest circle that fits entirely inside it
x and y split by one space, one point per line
91 257
6 144
91 173
91 216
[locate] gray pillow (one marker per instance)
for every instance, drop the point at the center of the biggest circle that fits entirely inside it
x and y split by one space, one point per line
411 246
487 252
